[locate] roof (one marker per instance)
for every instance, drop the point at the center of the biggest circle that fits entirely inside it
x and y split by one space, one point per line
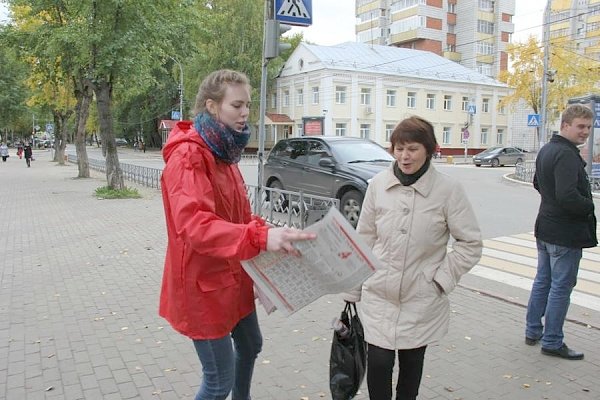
278 118
362 57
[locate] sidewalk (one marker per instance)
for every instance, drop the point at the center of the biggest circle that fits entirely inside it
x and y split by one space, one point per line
79 286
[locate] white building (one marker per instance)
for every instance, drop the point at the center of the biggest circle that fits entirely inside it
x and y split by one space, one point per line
364 90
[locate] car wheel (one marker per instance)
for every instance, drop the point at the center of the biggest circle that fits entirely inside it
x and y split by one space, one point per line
495 162
350 206
279 202
478 165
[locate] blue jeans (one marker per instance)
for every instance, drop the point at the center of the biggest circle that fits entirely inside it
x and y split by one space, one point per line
226 367
551 292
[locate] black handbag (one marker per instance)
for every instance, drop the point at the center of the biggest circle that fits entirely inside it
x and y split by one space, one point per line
348 358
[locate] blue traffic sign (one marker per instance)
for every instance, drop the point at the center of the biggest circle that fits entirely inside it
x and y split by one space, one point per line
597 122
533 120
472 109
294 12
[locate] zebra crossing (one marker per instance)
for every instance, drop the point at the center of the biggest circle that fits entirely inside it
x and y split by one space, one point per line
512 260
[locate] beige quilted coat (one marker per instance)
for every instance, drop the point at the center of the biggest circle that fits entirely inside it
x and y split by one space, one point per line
408 228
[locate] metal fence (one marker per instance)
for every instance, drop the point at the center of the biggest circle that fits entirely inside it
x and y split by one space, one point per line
277 207
525 170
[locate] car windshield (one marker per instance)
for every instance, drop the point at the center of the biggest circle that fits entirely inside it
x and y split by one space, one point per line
355 152
492 150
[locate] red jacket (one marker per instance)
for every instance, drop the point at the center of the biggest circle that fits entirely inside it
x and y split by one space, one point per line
205 291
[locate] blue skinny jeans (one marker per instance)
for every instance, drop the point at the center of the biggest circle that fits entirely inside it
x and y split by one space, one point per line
226 366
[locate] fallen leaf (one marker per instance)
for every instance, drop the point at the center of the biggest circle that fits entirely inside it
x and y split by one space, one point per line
315 338
124 328
266 362
170 369
49 388
585 389
449 389
51 355
507 376
467 338
526 385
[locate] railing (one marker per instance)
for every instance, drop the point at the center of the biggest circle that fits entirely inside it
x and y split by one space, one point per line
277 207
525 170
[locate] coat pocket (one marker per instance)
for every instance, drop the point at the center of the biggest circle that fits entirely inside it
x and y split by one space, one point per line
216 281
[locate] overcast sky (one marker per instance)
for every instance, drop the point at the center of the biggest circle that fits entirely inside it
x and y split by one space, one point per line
333 21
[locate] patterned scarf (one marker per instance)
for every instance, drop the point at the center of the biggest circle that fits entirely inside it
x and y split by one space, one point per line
225 143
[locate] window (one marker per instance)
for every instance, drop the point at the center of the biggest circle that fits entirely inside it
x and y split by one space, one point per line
451 8
300 95
286 98
485 105
447 102
391 98
315 95
501 106
484 69
400 5
430 103
485 48
408 24
340 94
389 129
365 130
365 96
274 100
486 5
484 136
465 103
446 135
500 136
340 129
485 27
411 99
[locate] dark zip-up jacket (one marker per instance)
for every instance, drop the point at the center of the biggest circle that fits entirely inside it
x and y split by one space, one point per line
566 215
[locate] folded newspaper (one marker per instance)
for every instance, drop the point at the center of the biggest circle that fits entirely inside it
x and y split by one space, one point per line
337 261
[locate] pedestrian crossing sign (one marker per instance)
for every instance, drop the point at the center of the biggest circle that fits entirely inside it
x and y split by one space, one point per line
294 12
533 120
597 122
471 109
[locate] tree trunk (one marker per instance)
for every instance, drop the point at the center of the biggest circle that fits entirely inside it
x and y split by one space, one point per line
114 175
60 140
83 93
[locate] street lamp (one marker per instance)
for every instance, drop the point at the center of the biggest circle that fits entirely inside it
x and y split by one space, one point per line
180 88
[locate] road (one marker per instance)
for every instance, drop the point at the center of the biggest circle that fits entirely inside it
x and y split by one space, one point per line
506 212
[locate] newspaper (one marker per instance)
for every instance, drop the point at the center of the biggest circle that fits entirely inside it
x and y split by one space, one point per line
336 261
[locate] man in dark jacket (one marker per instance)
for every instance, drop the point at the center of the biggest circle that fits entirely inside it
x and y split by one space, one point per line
564 226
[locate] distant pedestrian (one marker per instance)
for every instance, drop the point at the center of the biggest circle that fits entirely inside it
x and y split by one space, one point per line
4 151
408 215
565 225
143 146
206 294
28 152
20 150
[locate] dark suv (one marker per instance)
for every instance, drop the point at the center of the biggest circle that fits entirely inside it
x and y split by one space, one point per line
329 166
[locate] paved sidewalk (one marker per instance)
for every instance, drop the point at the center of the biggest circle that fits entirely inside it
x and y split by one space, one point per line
79 285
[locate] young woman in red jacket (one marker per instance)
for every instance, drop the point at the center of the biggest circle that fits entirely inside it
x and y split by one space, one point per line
206 295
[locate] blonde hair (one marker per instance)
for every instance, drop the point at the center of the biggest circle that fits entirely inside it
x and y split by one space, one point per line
213 87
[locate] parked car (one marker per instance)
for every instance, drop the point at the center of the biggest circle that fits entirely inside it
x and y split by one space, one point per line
330 166
121 142
498 156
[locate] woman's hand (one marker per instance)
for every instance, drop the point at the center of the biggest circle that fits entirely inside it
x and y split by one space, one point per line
282 239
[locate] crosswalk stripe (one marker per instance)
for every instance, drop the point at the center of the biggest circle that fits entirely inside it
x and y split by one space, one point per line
513 260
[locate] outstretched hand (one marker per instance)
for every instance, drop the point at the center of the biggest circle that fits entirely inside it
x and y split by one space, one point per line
282 239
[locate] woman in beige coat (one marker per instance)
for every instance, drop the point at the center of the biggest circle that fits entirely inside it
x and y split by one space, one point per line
408 215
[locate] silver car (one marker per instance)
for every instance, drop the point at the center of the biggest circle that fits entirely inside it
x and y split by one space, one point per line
499 156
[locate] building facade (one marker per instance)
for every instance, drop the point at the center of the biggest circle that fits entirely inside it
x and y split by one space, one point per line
474 33
364 90
577 21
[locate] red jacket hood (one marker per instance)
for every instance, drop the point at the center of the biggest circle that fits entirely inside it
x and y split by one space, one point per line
182 132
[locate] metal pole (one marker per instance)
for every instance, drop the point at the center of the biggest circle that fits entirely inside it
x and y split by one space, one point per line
544 105
262 110
180 88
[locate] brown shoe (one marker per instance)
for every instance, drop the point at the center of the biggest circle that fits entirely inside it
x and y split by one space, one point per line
563 352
